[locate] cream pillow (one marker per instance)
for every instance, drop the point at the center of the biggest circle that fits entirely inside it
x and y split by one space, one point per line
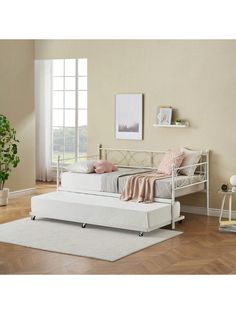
191 157
85 166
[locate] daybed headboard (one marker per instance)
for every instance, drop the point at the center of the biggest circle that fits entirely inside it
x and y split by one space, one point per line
137 158
130 157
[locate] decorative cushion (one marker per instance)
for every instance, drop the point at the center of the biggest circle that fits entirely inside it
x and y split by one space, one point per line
170 158
104 166
85 166
191 157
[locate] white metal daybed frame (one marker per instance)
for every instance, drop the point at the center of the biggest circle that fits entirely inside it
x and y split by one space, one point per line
128 156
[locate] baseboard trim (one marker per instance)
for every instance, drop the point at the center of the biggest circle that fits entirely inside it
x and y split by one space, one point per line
193 210
20 193
203 211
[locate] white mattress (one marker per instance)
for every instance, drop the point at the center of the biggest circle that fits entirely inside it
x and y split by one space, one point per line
82 181
71 181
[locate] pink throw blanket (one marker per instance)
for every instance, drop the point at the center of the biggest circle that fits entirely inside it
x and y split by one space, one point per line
140 187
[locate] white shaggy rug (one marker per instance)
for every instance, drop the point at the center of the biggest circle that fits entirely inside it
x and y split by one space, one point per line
69 238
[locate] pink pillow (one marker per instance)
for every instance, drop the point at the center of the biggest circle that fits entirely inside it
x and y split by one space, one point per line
102 166
171 157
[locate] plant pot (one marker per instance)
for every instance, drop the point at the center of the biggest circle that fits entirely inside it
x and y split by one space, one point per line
4 197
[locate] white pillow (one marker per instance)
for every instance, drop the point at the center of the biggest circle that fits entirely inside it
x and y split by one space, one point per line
191 157
85 166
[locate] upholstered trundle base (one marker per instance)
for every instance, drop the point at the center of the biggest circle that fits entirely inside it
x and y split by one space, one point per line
103 211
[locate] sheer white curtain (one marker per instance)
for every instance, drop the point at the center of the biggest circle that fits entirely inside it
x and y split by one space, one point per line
43 83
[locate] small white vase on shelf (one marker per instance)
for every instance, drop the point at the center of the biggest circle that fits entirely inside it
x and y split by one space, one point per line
233 183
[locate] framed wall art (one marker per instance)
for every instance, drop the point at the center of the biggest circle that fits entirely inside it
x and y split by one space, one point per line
129 116
164 116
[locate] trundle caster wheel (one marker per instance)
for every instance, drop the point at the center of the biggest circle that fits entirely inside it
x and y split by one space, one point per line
33 217
140 234
84 225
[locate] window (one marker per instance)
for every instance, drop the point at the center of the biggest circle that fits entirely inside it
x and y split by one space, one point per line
69 109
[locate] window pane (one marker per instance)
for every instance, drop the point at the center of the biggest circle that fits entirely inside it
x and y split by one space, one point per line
70 144
58 83
82 117
70 67
69 99
82 67
82 140
57 99
58 67
69 117
58 143
82 99
57 117
82 83
70 83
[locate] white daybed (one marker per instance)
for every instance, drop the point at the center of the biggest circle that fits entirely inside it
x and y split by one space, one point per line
83 198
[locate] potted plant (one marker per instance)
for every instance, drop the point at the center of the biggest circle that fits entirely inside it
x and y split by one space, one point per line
8 156
179 121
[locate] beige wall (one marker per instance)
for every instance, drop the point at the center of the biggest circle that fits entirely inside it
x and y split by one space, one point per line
196 77
17 103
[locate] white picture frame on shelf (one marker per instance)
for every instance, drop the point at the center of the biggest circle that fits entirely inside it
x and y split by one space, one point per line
164 117
129 116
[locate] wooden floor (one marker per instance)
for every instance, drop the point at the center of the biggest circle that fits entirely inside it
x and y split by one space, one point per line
201 249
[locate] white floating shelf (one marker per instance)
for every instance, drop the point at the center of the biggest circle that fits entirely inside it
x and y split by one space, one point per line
171 125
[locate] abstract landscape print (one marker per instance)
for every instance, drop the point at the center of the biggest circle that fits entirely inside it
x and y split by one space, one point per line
129 116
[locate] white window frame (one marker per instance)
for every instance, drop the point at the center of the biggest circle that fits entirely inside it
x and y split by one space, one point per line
77 109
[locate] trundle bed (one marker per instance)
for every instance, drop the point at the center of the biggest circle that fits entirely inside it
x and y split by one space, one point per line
94 198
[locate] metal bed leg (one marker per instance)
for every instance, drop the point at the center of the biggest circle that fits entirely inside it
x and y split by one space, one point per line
207 183
173 224
84 225
32 217
173 174
208 207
